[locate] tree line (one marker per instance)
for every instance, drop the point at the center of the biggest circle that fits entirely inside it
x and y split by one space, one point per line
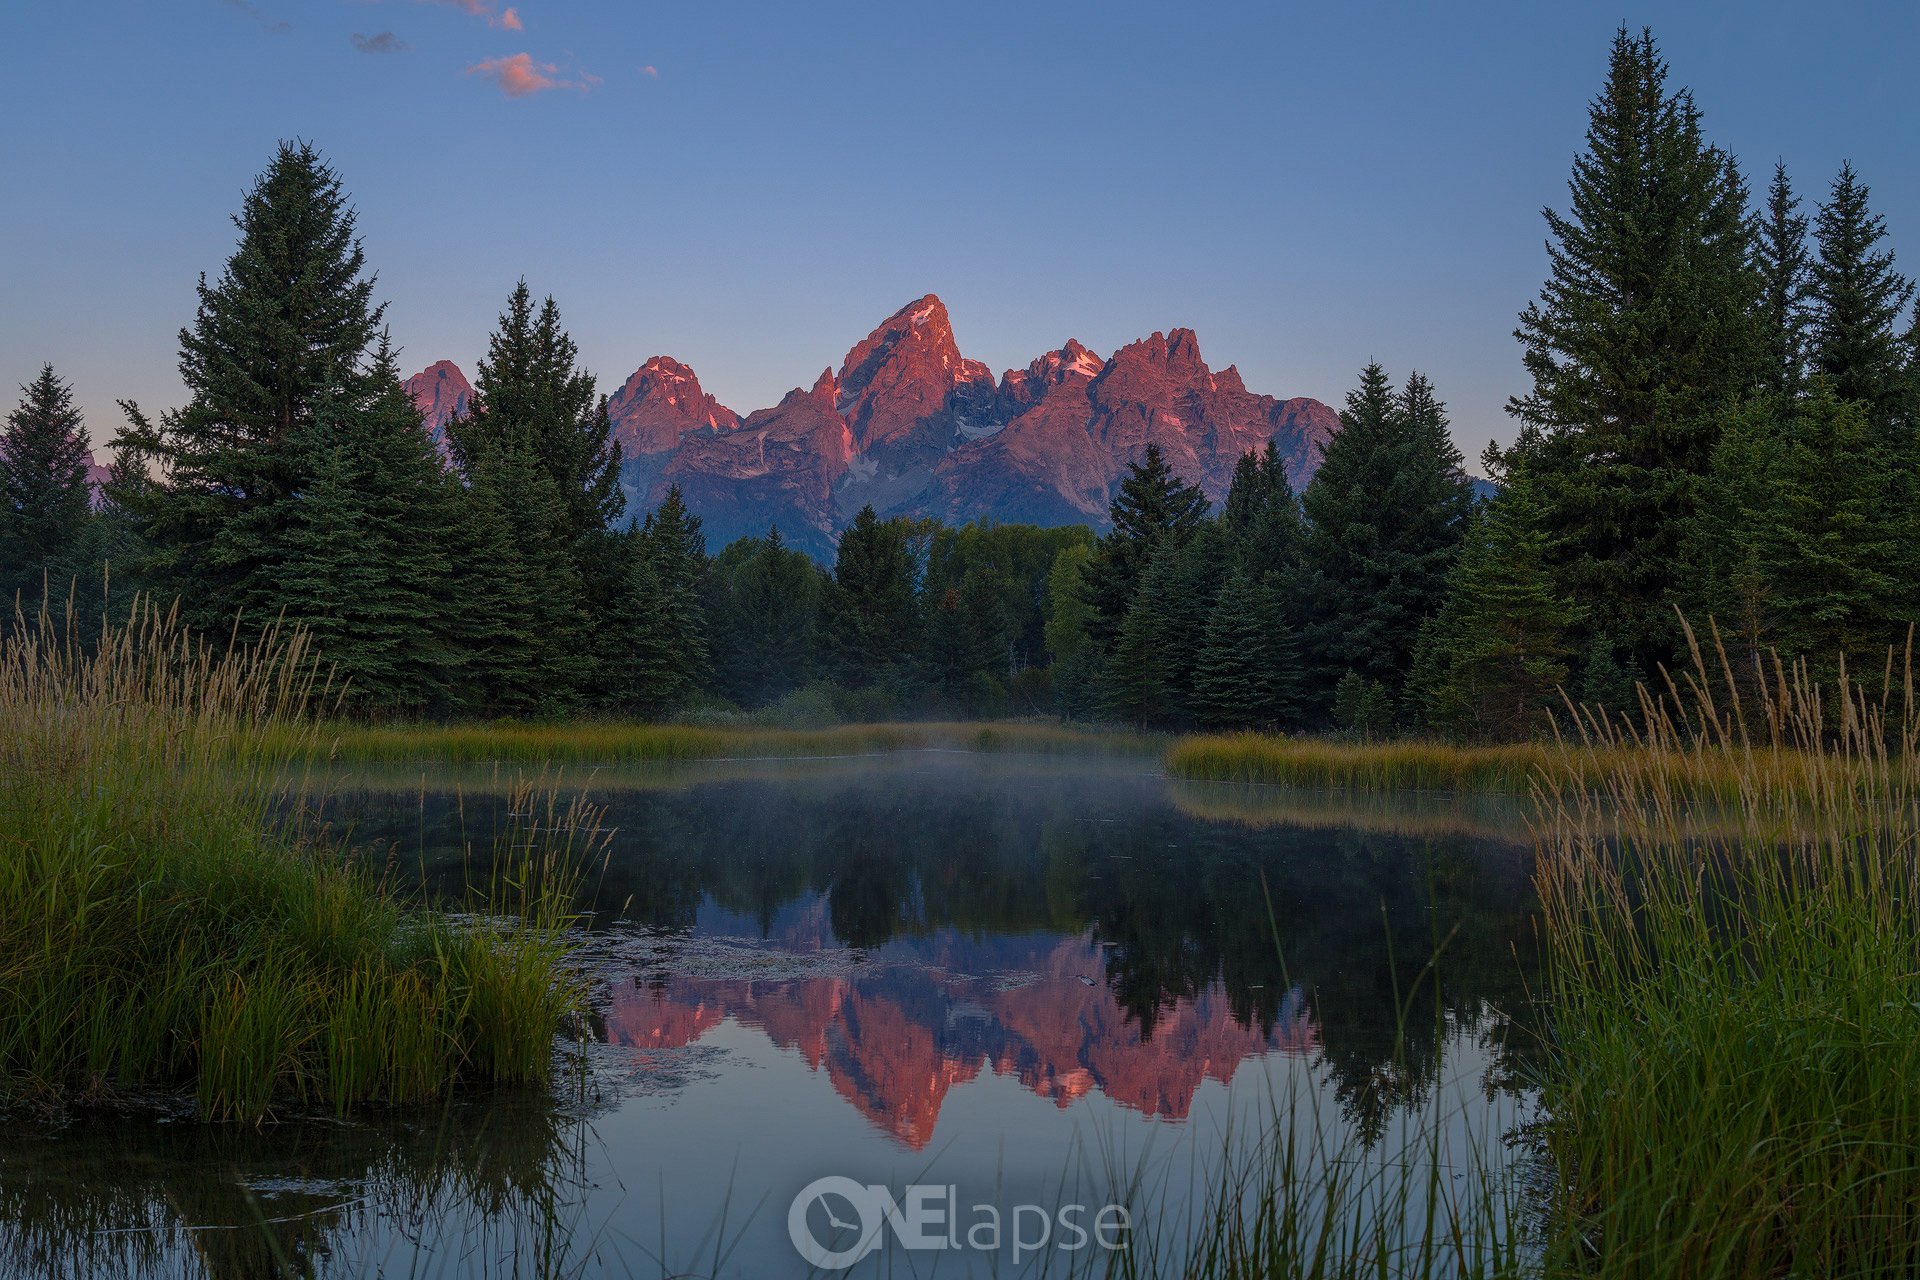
1723 423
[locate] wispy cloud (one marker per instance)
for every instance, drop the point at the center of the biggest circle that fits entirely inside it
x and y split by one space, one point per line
379 42
519 76
254 11
505 21
650 71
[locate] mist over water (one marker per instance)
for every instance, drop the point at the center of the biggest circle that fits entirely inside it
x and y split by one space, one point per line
1032 979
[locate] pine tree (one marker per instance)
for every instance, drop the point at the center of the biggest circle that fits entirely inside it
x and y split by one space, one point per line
770 617
1154 508
1135 684
1496 655
873 627
286 329
363 563
528 393
1262 515
641 670
1785 273
677 549
44 497
1857 301
1248 670
1644 333
1385 515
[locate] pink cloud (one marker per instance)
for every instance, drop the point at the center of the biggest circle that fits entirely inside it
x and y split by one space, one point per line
518 75
510 20
651 71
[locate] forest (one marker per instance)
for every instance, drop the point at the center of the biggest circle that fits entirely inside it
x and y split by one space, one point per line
1719 426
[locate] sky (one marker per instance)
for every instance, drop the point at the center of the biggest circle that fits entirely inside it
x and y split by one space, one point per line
751 187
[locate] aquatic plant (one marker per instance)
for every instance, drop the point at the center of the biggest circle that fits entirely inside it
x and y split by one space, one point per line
1733 1079
166 924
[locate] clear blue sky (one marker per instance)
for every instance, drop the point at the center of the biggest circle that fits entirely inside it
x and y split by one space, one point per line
750 187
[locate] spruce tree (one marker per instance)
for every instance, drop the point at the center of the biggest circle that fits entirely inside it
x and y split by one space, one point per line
44 496
873 627
1857 300
1136 680
1154 508
1785 273
641 671
1262 514
1247 674
1646 330
769 611
286 329
1496 656
1385 514
363 565
677 550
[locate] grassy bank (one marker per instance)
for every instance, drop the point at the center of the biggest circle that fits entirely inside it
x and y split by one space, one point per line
1734 1080
620 742
162 930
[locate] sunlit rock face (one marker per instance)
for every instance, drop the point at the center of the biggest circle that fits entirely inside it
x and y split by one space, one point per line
910 426
441 393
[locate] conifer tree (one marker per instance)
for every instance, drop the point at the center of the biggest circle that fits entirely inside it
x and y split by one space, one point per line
528 393
1385 516
1154 508
1262 514
1495 657
1248 670
286 329
1646 330
641 672
44 498
364 566
1135 684
677 550
873 627
771 607
1782 259
1857 299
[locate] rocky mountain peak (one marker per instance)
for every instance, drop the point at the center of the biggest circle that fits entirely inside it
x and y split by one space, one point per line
661 402
441 392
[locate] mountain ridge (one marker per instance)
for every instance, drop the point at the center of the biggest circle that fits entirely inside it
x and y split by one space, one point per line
911 426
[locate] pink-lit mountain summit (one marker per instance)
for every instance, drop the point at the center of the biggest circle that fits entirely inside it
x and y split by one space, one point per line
912 427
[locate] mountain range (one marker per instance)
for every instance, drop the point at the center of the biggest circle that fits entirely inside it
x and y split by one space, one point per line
912 427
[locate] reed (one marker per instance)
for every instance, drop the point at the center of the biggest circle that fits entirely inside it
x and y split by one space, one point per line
1733 1082
626 742
165 927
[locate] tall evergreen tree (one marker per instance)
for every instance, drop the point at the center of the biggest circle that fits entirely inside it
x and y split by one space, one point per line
44 497
677 550
529 394
872 615
1154 508
1248 670
363 563
1781 256
1644 333
768 606
1858 299
1262 514
1493 661
285 330
1385 514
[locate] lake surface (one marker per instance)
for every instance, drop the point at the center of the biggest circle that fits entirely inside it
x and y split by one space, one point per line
1014 983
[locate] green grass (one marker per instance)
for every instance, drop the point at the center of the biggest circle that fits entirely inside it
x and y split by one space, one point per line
621 742
1733 1084
163 929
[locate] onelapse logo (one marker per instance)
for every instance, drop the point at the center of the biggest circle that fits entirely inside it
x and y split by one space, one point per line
835 1222
852 1217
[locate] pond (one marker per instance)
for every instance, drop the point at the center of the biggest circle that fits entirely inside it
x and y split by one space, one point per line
969 990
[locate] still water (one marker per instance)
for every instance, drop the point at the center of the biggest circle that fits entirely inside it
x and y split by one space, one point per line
1015 984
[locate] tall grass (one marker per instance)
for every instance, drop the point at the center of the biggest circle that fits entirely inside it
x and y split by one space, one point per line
622 742
164 928
1734 1080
